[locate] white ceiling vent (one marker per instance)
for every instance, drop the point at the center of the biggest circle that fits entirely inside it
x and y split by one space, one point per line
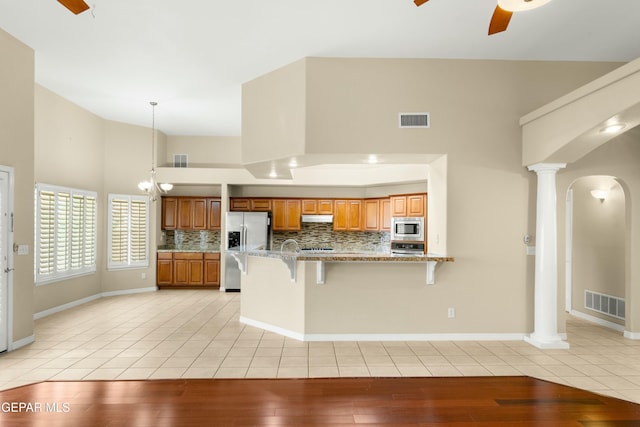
414 120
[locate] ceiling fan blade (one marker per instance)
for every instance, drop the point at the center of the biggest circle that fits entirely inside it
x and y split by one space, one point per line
75 6
499 20
420 2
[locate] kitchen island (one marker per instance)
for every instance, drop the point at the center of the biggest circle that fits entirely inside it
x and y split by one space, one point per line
341 296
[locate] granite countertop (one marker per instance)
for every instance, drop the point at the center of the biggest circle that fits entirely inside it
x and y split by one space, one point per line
189 248
353 256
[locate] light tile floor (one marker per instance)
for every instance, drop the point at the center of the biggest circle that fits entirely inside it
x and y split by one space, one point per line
196 334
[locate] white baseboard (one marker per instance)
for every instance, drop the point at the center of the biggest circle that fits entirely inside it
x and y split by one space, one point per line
63 307
129 292
21 343
81 301
632 335
381 337
598 321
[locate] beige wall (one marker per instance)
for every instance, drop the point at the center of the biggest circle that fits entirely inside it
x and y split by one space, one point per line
127 161
617 158
204 151
273 114
16 150
68 152
598 247
352 106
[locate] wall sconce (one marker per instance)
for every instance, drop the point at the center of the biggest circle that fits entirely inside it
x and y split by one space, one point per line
599 194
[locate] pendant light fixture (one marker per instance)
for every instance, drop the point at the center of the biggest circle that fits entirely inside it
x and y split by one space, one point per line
151 186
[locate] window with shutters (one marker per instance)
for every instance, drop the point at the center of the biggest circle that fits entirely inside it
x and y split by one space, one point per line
128 233
65 233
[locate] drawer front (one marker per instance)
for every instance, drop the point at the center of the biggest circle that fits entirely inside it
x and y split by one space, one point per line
187 255
209 255
165 255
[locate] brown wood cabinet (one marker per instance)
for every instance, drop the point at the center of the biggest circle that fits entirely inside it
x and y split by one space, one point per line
409 205
376 215
347 215
164 268
191 213
286 214
385 214
239 204
317 206
247 204
371 217
212 269
214 214
169 213
188 269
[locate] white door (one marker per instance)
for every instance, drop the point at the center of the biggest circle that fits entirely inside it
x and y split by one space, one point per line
4 260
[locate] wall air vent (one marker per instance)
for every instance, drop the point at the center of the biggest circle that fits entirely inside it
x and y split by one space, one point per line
605 304
180 160
414 120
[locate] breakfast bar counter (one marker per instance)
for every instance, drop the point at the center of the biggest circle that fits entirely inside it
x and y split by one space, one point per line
339 296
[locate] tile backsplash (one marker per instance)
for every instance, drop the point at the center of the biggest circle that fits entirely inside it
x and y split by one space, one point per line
312 235
192 238
321 235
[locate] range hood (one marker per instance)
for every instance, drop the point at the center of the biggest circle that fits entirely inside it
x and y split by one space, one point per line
317 218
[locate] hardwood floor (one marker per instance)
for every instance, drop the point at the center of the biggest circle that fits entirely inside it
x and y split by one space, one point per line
436 401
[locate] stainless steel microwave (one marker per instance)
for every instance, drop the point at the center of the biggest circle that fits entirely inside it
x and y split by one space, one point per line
407 228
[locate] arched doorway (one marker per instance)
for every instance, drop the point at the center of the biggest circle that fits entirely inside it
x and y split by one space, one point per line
596 246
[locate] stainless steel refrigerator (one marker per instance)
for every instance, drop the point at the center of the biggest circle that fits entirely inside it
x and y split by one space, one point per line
246 231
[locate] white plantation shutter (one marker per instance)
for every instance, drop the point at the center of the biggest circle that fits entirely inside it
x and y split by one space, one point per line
65 232
90 237
138 243
119 230
46 235
128 231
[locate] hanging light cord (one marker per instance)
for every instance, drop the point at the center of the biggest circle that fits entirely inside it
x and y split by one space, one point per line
153 135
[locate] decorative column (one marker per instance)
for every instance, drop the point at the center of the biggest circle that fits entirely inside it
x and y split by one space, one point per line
545 333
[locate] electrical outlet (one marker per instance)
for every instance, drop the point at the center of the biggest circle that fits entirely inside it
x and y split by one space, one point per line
451 312
143 276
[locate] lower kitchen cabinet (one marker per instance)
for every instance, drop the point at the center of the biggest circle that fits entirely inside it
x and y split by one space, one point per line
212 269
165 268
188 269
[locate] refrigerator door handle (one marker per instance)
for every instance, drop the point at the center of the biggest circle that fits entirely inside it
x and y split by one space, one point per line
244 238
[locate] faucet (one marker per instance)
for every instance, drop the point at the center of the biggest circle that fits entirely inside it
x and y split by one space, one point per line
289 241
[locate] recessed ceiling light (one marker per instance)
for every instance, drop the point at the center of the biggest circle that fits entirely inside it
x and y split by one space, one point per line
373 159
613 128
273 174
520 5
293 163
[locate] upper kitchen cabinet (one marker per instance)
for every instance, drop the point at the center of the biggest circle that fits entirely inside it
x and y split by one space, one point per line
385 214
371 217
317 207
347 215
245 204
214 214
409 205
286 214
169 213
190 213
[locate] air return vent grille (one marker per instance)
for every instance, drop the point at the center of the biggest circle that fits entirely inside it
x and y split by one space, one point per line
414 120
605 304
180 160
